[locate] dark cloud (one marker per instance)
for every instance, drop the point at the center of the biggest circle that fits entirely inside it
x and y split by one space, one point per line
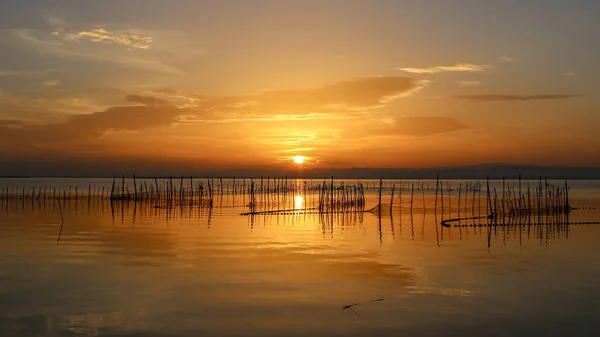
147 100
496 98
10 123
152 113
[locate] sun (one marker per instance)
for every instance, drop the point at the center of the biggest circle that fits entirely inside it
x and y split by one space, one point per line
299 159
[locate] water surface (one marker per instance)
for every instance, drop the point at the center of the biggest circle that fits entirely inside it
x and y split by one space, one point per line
132 269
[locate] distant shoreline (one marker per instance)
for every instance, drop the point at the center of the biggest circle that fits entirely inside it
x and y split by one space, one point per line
178 177
474 172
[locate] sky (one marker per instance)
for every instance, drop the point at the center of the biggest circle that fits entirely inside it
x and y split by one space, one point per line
102 87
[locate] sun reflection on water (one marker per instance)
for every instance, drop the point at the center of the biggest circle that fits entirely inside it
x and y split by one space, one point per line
298 202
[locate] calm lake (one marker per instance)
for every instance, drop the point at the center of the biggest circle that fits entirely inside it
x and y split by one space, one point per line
92 267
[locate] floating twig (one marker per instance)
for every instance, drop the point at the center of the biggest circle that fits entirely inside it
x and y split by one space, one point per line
351 306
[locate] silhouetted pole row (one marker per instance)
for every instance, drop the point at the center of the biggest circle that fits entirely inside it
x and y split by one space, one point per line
464 199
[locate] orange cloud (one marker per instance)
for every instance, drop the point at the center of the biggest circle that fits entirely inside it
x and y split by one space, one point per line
496 98
363 92
24 107
438 69
412 126
469 83
342 98
51 83
423 126
105 36
165 108
507 59
10 123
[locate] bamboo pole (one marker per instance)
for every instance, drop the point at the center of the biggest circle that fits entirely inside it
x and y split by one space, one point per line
437 183
135 195
379 197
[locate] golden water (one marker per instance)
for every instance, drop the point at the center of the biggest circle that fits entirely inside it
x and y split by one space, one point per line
135 270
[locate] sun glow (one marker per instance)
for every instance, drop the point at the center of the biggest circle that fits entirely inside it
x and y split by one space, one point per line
299 159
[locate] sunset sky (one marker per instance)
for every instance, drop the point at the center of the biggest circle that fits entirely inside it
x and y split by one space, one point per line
105 86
